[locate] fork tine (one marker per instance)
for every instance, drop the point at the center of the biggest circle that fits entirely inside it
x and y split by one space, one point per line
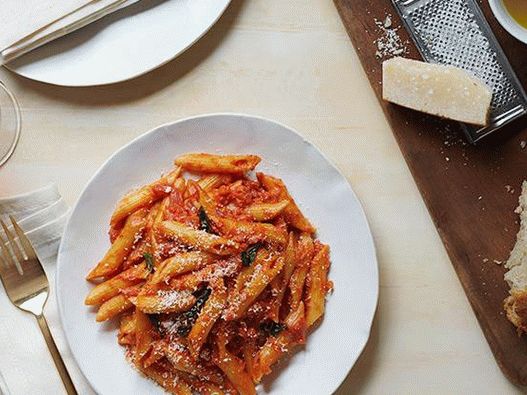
7 256
14 247
3 262
26 244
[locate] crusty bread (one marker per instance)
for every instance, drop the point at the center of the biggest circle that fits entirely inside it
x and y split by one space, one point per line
516 304
516 308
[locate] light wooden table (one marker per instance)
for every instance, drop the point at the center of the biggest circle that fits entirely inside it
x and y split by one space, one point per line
288 60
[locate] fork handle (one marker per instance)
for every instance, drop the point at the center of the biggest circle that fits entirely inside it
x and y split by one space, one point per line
59 363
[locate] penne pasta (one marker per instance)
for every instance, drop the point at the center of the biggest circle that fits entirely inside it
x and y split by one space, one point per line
252 232
181 263
110 288
263 212
208 163
127 325
206 202
127 330
209 314
112 307
233 368
317 286
291 213
181 359
280 282
209 273
247 272
198 238
144 196
305 250
156 353
263 275
119 250
165 301
144 335
249 353
213 181
150 235
276 346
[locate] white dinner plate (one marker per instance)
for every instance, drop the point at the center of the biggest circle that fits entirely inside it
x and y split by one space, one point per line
322 193
122 45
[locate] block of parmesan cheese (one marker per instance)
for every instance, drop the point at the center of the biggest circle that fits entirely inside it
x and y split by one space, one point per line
445 91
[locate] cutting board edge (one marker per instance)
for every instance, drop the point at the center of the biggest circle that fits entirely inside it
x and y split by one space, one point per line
515 376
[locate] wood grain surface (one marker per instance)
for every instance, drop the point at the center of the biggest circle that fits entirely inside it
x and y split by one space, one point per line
470 191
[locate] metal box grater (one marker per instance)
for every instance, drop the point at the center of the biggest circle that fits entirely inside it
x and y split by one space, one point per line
455 32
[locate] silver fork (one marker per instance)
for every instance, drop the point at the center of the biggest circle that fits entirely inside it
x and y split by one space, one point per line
27 286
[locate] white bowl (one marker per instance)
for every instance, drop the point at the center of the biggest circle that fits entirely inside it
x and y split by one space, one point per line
507 21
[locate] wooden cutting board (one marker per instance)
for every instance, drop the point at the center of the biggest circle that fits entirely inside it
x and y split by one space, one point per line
470 191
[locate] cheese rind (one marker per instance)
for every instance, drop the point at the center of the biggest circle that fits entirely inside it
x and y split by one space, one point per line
445 91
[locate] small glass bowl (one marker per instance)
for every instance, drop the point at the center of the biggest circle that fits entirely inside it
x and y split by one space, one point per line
10 123
507 21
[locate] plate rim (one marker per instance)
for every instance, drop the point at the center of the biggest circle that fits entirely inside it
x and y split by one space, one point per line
372 309
137 75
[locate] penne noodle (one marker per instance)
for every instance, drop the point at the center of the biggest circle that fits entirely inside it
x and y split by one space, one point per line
165 301
317 286
247 272
249 353
181 359
263 275
144 196
271 352
127 330
198 238
127 325
233 368
208 163
213 181
137 255
276 346
305 250
126 339
156 353
291 213
110 288
280 282
109 309
150 236
252 231
119 250
207 317
263 212
206 202
160 215
181 263
144 335
191 281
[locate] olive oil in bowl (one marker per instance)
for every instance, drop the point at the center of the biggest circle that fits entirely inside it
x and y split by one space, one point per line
517 10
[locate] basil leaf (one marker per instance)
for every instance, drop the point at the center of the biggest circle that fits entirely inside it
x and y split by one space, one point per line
272 328
249 255
154 319
149 260
186 320
204 221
